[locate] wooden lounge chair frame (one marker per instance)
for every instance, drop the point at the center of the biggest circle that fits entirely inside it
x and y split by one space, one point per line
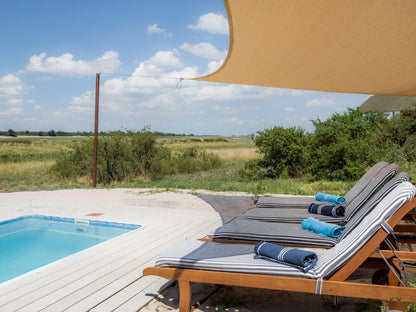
336 285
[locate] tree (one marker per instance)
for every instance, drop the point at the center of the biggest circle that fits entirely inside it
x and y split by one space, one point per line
284 154
11 133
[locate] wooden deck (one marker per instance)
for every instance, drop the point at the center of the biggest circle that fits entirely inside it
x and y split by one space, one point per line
107 277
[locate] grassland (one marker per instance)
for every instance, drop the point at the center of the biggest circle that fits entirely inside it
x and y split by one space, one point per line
25 165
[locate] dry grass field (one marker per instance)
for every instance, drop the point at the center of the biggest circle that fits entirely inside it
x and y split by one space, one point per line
25 165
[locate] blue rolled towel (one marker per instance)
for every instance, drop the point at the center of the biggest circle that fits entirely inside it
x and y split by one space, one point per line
327 210
330 198
322 228
298 258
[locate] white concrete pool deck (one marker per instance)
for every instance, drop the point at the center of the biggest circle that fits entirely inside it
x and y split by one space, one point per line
106 277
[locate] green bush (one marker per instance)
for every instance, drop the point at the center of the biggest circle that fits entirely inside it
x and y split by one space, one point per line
342 147
284 154
345 145
191 160
11 133
124 157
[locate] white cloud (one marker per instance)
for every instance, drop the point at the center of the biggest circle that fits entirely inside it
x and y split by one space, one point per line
234 120
144 92
154 29
204 49
67 66
15 102
37 107
320 102
11 85
82 103
158 63
297 92
221 92
12 111
211 22
213 66
289 109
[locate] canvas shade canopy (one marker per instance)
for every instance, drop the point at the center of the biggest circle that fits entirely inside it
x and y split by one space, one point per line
357 46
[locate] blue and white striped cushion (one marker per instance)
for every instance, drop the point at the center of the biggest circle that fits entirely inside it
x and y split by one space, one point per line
240 257
353 203
297 201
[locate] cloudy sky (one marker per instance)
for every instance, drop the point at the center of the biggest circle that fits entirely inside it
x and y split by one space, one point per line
51 50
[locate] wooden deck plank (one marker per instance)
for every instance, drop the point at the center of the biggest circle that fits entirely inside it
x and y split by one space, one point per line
128 278
141 298
135 297
121 297
119 278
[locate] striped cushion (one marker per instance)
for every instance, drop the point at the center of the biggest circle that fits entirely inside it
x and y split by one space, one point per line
377 182
373 201
304 202
371 173
271 232
294 233
240 257
352 206
371 223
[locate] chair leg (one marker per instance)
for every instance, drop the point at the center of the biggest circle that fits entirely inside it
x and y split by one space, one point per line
395 305
185 295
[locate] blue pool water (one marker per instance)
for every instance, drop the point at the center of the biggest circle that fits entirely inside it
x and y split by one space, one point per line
29 242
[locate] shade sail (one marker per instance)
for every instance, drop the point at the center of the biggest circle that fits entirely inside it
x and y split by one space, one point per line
355 46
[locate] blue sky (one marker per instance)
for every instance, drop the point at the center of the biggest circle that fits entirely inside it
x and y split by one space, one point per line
51 50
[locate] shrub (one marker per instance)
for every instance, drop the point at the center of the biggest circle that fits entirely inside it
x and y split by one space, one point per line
11 133
341 147
345 145
124 157
284 154
191 160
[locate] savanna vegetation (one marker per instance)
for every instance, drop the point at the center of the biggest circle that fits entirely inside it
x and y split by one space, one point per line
340 148
277 160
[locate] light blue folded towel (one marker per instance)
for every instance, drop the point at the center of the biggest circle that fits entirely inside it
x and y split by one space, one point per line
301 259
330 198
322 228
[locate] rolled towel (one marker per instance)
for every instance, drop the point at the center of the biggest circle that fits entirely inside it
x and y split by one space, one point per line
322 228
298 258
330 198
327 210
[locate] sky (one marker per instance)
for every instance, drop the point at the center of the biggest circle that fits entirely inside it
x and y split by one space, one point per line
51 51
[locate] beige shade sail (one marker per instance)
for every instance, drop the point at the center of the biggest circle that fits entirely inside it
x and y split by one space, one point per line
354 46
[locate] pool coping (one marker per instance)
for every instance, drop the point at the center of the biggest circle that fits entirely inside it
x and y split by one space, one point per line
91 222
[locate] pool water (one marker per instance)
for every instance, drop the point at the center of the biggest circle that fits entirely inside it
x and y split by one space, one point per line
29 242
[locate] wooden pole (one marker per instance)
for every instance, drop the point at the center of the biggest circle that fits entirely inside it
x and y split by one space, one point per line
97 101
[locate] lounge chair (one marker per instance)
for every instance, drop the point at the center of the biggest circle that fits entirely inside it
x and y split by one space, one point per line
291 233
234 264
305 201
351 207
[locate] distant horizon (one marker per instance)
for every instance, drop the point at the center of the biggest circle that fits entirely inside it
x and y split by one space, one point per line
72 133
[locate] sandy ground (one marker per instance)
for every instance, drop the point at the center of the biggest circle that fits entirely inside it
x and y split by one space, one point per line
80 202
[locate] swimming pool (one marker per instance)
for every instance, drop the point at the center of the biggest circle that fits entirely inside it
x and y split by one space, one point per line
29 242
